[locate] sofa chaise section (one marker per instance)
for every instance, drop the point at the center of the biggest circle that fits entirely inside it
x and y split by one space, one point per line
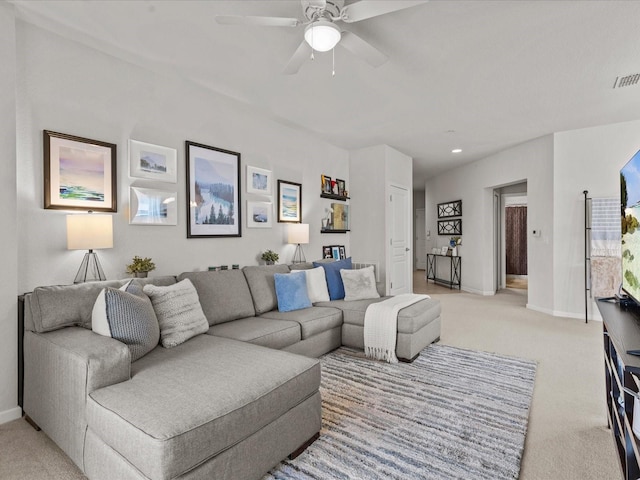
187 405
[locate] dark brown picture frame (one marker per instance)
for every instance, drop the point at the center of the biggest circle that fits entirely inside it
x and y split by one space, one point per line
79 173
289 209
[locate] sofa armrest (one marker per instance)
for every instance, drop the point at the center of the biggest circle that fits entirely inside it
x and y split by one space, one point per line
60 369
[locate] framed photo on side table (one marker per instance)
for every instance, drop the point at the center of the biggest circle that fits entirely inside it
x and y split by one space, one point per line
79 173
213 191
289 202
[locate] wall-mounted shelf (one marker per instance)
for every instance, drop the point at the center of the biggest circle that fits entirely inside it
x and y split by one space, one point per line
333 196
331 230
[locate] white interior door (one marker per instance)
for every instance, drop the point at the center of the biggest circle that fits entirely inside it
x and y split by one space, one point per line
400 271
420 245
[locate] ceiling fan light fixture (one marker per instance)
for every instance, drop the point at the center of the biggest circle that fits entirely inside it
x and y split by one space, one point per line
322 35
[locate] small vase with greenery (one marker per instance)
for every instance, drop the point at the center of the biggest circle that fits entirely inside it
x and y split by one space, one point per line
270 257
140 267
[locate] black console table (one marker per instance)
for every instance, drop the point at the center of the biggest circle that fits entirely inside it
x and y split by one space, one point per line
455 269
621 332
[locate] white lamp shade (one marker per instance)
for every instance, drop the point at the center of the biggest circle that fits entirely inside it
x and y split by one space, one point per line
89 231
299 233
322 35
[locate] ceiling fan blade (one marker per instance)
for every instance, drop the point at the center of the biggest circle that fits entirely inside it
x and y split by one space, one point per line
301 54
362 49
315 3
373 8
259 21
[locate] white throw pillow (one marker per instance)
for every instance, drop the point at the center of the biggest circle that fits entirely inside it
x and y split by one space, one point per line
317 285
359 284
179 312
126 314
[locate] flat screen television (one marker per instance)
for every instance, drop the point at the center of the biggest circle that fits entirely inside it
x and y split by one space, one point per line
630 207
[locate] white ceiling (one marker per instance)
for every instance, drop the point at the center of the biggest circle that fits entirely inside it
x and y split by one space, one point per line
475 75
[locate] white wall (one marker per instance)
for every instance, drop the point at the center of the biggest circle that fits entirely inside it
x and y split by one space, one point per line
9 246
531 161
587 159
71 88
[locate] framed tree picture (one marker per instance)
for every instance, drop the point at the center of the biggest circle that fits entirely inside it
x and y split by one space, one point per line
289 202
79 173
213 190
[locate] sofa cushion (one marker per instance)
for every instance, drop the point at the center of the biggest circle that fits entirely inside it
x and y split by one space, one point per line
359 284
57 306
260 331
410 319
187 404
224 295
334 280
317 285
262 285
291 291
126 314
179 313
312 320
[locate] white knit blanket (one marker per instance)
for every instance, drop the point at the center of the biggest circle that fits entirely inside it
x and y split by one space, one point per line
381 326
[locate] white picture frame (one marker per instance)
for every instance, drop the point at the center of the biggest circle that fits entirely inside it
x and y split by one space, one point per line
259 214
153 162
148 206
444 249
259 181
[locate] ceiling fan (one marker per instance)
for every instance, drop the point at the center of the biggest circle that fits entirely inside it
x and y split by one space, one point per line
321 32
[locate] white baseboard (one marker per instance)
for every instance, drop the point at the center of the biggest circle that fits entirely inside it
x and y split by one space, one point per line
478 292
10 415
557 313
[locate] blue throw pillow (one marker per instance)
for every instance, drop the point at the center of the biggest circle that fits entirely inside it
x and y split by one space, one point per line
334 279
291 291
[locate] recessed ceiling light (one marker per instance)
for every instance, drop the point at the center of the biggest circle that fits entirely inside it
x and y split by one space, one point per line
456 150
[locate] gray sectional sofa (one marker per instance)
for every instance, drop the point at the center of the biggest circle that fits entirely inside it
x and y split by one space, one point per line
229 404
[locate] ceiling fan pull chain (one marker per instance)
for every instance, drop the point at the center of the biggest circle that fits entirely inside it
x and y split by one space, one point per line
333 62
312 57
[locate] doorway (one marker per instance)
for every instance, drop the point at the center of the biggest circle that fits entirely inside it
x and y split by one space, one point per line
515 223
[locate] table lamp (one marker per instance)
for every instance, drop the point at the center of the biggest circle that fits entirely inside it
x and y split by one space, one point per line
89 232
299 234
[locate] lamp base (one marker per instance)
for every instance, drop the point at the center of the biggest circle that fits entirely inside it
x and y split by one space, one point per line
298 256
90 269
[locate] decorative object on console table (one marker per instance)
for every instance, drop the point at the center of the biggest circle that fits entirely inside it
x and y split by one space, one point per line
153 162
259 214
299 235
79 173
148 206
213 189
89 232
259 181
289 202
450 209
140 267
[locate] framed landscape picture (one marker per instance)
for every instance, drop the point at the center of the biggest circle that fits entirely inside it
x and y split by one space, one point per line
289 202
153 162
259 181
213 189
79 173
148 206
259 214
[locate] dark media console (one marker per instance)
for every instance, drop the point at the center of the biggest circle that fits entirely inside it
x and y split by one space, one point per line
621 335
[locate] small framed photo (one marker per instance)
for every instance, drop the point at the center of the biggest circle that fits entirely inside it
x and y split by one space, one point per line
213 192
79 173
153 162
326 184
341 187
326 252
259 214
289 202
259 181
152 207
335 251
444 250
343 253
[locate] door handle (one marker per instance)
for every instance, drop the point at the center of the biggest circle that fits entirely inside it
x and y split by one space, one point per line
406 249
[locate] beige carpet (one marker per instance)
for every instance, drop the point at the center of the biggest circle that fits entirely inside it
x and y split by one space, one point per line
567 439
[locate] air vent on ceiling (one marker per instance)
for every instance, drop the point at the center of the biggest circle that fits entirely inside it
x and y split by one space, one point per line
626 81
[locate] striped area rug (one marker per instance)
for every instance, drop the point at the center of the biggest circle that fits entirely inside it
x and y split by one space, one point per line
452 414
